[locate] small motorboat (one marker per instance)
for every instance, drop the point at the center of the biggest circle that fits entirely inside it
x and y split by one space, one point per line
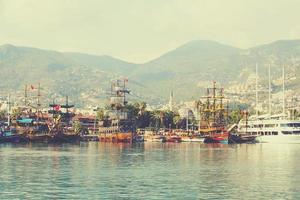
173 138
241 138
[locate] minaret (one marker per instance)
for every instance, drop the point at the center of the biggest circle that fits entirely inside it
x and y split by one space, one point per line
171 101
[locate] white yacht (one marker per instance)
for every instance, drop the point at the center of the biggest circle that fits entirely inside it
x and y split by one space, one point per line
271 128
274 129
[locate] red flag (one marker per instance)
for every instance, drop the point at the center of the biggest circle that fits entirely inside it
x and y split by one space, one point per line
57 107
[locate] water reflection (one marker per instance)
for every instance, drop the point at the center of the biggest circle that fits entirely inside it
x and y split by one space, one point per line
151 171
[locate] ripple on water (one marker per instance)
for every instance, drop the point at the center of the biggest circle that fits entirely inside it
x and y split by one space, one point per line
149 171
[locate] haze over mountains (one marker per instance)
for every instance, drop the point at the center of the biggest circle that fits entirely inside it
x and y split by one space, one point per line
185 70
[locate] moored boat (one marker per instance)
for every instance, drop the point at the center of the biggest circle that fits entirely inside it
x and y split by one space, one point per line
271 129
154 138
213 122
173 138
241 138
116 126
12 136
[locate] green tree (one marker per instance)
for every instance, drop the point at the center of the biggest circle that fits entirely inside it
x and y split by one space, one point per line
176 120
2 114
16 112
100 114
77 127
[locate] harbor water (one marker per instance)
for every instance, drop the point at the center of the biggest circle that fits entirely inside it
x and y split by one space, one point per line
149 171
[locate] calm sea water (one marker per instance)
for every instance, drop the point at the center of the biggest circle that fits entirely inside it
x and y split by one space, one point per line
150 171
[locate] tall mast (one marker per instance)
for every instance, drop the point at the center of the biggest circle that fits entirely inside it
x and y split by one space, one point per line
256 90
199 110
283 92
38 102
270 103
25 95
67 104
8 110
187 120
214 101
171 101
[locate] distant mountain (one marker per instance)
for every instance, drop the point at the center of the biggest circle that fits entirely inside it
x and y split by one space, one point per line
188 65
186 70
60 74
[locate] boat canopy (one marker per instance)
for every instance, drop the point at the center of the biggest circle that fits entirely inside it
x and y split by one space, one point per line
25 121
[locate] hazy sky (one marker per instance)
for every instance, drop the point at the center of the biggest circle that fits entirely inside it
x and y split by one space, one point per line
139 30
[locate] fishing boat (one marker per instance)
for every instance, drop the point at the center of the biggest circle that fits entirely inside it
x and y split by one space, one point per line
117 127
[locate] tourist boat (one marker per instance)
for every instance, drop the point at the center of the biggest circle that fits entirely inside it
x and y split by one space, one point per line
212 121
12 136
274 129
216 135
9 133
34 129
117 127
61 129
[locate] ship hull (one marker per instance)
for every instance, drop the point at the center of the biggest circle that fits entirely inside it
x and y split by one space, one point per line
155 138
192 139
279 139
216 139
66 138
116 137
40 138
239 139
175 139
13 139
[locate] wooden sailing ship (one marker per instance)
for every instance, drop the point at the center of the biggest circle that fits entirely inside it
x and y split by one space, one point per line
212 116
117 127
61 126
33 122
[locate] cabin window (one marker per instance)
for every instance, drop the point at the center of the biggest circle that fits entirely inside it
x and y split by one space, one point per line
274 133
287 132
284 125
269 125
